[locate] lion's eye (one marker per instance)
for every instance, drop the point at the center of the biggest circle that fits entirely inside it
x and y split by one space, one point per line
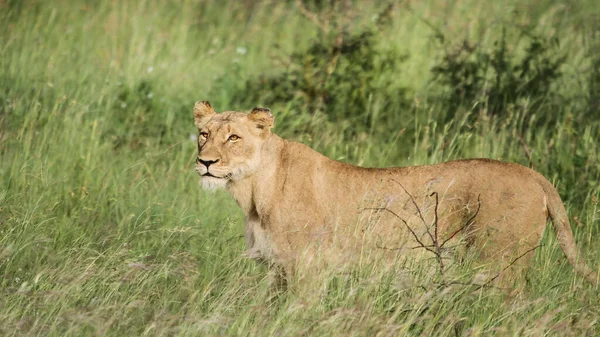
234 138
204 135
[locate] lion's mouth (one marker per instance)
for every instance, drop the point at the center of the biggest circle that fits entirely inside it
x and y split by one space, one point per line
209 175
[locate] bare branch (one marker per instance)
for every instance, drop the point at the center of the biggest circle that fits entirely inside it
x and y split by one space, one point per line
468 223
512 263
418 209
435 219
438 248
405 223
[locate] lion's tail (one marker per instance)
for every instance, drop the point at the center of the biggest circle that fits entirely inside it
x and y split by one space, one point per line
562 228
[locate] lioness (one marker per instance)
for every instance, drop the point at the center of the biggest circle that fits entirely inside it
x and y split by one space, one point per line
298 203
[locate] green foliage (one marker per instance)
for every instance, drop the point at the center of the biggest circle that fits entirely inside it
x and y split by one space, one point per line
594 72
499 78
339 76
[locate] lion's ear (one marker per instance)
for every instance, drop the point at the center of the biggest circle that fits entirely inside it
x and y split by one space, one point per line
203 112
263 118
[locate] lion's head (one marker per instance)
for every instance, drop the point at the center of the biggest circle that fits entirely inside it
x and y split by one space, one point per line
229 143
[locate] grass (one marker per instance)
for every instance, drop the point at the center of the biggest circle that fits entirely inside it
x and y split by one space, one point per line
104 230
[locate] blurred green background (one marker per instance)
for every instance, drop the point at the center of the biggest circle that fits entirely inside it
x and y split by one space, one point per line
104 230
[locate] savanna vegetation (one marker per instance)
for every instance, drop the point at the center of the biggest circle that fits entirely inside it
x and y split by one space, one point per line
105 232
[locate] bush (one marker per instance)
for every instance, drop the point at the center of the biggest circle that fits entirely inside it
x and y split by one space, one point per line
339 76
498 77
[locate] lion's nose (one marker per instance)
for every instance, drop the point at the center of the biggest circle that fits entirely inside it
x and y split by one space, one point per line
207 163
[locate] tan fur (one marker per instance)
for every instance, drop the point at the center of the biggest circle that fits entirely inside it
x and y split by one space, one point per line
299 204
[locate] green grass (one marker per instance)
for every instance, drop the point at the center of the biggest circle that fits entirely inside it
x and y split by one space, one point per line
105 231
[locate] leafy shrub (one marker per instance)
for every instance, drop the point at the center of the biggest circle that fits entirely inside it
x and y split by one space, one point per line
499 77
339 76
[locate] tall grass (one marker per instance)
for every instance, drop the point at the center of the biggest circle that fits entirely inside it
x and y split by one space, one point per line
103 227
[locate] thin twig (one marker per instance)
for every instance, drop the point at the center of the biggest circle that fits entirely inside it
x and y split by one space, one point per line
435 217
388 248
468 223
512 263
417 207
438 248
405 223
